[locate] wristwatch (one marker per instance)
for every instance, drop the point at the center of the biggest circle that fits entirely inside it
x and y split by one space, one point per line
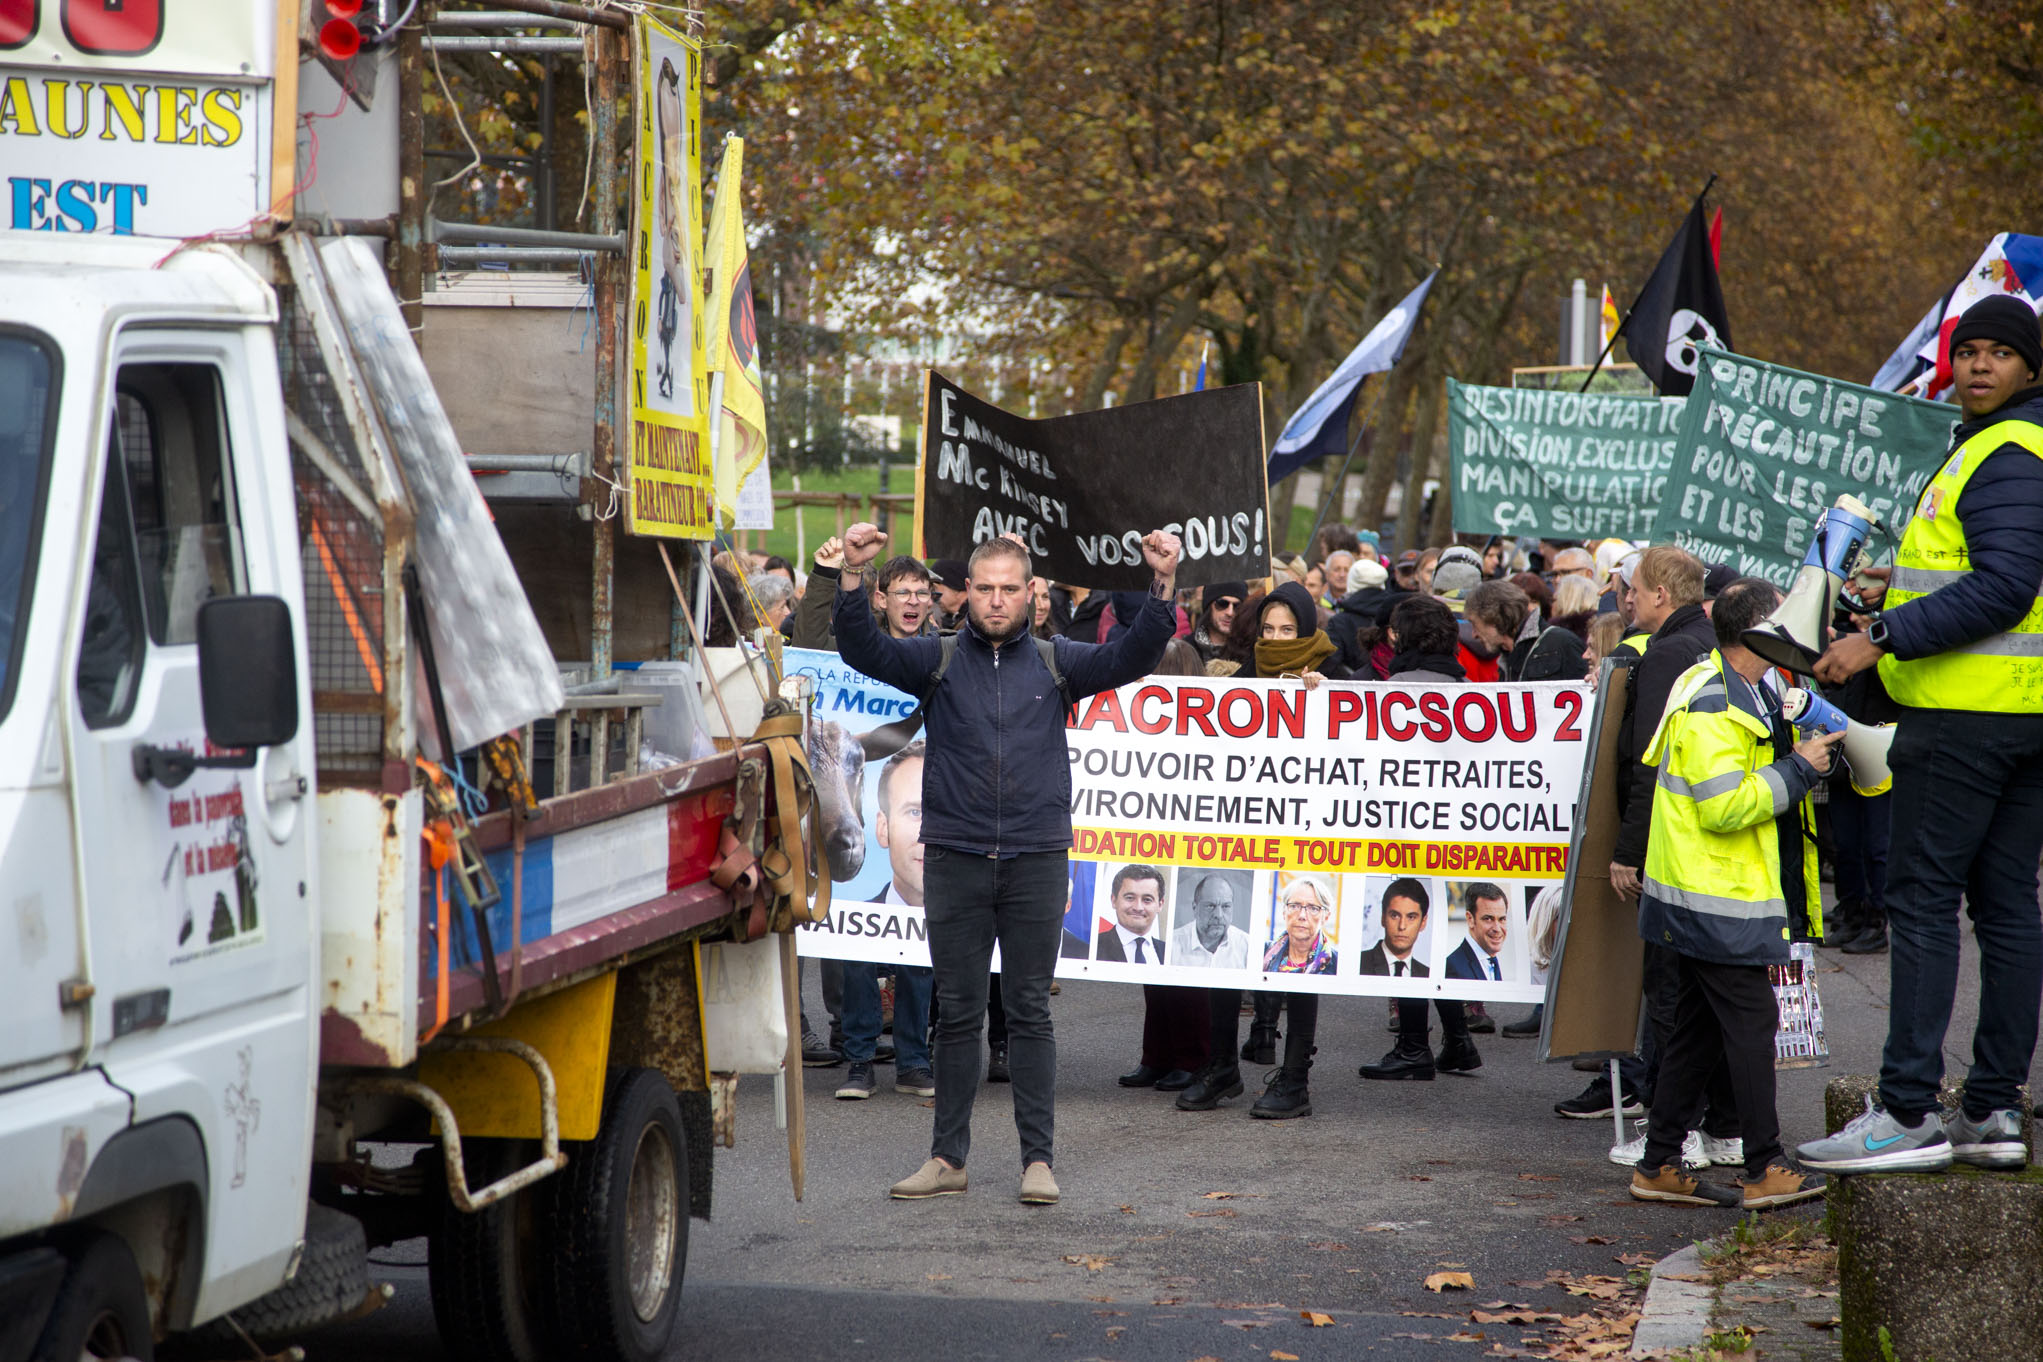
1876 634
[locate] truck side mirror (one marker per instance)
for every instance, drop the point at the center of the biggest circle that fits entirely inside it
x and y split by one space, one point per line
248 680
248 689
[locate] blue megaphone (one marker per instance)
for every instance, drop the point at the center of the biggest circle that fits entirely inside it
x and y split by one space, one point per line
1864 746
1792 636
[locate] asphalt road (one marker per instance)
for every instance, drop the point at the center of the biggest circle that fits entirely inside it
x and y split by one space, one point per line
1344 1213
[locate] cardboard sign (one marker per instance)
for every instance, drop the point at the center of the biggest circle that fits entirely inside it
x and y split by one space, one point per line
1249 834
1558 465
1082 490
1763 449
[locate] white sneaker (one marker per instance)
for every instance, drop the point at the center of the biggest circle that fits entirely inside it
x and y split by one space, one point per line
1723 1153
1628 1154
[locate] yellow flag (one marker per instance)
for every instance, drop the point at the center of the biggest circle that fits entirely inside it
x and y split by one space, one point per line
1607 324
734 343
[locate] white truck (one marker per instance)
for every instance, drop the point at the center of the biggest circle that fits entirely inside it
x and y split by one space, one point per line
261 1006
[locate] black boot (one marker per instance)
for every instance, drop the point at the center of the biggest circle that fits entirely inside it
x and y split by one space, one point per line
1214 1085
1261 1047
1458 1056
1412 1056
1286 1096
1872 937
1844 923
1457 1051
1285 1099
996 1065
1405 1061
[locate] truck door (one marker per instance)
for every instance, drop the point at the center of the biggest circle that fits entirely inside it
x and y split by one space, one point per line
199 927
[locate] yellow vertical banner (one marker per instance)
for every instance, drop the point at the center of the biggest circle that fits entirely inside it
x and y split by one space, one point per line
671 492
734 352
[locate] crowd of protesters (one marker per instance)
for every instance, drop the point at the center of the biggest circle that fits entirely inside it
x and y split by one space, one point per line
1485 610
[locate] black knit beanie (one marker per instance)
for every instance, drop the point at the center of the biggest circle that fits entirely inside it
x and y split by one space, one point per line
2007 319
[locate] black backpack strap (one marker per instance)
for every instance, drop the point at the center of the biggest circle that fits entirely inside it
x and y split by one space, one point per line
1048 648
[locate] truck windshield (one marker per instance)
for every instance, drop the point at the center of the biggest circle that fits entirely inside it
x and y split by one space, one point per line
27 413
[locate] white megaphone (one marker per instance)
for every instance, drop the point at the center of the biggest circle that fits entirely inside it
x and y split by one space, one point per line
1864 746
1792 636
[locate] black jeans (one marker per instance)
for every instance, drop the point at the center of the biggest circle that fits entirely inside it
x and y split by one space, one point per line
1223 1018
972 901
1968 817
1859 824
1724 1017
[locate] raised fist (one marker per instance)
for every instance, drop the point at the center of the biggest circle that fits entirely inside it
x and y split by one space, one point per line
862 543
1161 550
831 553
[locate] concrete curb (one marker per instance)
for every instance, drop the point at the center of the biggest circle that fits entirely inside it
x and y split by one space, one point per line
1677 1313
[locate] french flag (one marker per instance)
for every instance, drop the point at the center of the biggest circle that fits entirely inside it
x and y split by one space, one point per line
2012 263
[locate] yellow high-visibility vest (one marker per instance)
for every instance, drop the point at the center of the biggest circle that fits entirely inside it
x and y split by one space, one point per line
2001 673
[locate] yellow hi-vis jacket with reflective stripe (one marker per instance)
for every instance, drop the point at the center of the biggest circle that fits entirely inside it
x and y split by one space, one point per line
1713 865
2001 673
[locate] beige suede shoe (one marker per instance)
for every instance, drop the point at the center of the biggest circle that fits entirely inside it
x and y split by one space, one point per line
935 1178
1038 1188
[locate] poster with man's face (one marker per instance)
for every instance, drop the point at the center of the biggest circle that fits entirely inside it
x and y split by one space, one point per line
1210 924
1488 944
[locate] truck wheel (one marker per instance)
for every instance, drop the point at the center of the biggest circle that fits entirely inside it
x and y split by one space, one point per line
620 1226
482 1268
101 1310
332 1280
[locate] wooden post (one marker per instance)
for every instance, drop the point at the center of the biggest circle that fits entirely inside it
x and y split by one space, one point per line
596 489
412 193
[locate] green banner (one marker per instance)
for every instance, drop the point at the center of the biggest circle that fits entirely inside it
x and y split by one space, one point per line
1558 465
1763 449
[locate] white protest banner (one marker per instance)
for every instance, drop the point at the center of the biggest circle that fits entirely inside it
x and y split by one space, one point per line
1374 839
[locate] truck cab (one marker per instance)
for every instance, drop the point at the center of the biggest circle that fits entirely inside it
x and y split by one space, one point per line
161 1025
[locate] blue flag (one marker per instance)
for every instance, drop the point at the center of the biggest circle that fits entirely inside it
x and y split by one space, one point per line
1320 427
1200 386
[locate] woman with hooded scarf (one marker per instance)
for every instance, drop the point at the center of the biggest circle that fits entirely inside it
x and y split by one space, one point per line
1289 643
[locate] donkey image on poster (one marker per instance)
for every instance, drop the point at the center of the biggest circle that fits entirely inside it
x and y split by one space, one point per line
837 758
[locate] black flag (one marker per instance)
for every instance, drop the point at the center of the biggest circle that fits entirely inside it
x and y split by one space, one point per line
1680 308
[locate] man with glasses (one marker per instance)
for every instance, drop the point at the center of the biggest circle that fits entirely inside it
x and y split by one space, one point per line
1574 563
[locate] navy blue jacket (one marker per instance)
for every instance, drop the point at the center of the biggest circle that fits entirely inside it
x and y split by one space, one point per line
997 775
2001 509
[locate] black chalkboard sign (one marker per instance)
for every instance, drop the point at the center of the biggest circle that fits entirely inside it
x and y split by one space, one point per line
1082 490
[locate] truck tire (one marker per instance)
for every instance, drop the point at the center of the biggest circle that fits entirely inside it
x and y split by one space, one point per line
331 1282
482 1268
620 1226
101 1310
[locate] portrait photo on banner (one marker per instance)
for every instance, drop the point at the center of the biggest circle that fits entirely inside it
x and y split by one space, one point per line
1078 911
1304 932
1211 916
1394 925
1484 934
1133 914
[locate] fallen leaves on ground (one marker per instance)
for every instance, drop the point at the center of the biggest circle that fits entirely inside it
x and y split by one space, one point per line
1216 1211
1539 1177
1329 1247
1233 1196
1279 1355
1593 1285
1450 1281
1247 1323
1393 1226
1315 1318
1561 1219
939 1276
1418 1177
1114 1331
1522 1315
1636 1259
1091 1262
1126 1210
1590 1239
1464 1336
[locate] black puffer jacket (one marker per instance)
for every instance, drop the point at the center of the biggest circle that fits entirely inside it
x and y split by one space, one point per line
1358 613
